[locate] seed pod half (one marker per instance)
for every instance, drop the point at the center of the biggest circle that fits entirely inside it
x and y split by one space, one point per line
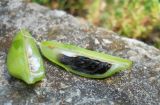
83 62
24 60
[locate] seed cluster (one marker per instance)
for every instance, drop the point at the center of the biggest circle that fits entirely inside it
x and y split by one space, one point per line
85 64
32 60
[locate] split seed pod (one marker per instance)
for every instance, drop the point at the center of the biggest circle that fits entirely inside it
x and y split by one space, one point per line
24 60
83 62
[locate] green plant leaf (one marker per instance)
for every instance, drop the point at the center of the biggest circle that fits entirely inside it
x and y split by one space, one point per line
24 60
69 57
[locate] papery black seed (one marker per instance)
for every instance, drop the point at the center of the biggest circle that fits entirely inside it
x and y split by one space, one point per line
85 64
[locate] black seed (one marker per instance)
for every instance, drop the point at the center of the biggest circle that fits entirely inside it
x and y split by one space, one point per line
84 64
65 59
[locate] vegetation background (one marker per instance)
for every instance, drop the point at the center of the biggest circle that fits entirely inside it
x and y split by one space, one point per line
138 19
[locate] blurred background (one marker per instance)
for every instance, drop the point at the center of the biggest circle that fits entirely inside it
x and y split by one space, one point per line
139 19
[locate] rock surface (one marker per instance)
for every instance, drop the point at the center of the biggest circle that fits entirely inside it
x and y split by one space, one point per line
138 86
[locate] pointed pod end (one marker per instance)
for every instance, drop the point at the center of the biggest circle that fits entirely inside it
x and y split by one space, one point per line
128 64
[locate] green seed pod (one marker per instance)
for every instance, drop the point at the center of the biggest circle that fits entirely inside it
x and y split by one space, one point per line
83 62
24 60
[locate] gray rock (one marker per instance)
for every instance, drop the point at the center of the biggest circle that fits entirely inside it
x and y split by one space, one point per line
138 86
